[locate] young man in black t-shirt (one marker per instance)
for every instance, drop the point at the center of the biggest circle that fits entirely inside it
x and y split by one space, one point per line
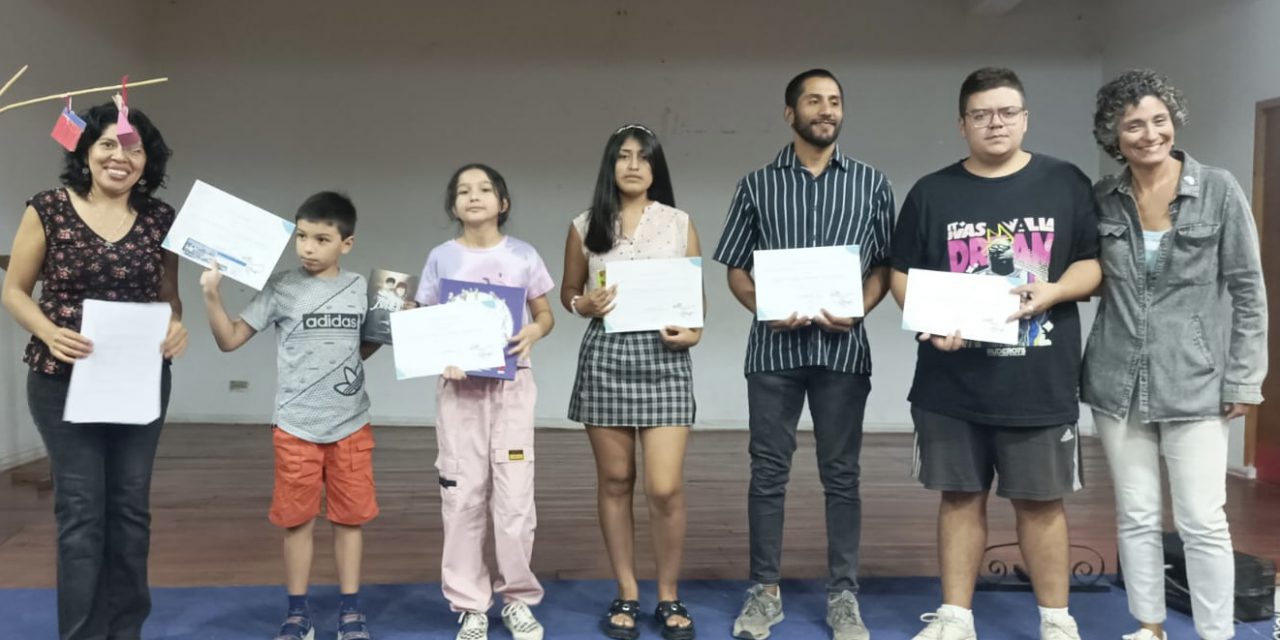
983 410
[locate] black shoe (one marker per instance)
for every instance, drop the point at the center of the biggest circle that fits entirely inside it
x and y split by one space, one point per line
665 611
629 608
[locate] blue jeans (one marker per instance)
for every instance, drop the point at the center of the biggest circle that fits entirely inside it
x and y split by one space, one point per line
101 500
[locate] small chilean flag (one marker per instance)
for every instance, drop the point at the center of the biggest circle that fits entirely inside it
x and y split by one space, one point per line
67 129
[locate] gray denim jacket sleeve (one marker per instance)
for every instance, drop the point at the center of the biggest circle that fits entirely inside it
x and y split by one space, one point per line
1241 267
1191 334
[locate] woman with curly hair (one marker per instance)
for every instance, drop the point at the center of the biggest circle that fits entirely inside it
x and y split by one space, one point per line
1172 357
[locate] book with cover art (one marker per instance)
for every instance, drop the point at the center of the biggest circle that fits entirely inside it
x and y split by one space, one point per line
389 292
509 301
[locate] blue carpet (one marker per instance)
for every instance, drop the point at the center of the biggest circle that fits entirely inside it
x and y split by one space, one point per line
891 607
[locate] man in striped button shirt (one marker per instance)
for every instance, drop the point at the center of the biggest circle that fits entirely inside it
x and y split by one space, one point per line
811 195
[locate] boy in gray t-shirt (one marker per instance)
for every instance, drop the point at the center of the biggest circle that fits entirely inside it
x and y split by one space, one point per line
323 440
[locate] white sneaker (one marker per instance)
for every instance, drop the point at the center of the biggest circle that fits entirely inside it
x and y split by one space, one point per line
520 622
943 626
1144 634
1059 628
475 626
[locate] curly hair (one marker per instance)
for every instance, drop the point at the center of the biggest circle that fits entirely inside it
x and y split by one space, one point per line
75 174
1125 91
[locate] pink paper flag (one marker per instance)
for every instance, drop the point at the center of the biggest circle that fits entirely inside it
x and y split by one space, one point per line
125 133
67 129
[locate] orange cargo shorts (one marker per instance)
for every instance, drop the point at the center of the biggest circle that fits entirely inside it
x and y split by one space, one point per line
342 470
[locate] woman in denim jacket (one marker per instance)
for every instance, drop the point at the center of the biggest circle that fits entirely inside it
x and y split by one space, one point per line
1179 347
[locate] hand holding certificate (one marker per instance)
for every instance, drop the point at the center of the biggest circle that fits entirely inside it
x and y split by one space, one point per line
977 306
507 302
653 294
244 240
427 340
119 382
804 282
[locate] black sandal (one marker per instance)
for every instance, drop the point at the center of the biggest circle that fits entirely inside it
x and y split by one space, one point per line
629 608
668 608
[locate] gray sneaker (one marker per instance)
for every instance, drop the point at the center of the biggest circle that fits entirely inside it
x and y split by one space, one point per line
760 611
845 618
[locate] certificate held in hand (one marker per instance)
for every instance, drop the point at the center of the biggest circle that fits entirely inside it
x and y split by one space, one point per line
119 383
978 306
507 302
427 340
653 294
243 239
807 281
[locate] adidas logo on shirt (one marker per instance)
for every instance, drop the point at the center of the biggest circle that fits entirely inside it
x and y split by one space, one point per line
331 321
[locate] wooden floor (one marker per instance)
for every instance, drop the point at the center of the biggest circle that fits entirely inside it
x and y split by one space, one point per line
212 488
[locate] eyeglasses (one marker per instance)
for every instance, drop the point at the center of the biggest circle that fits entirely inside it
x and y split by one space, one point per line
983 117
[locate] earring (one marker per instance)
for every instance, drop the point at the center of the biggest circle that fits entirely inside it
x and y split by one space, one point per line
142 182
84 170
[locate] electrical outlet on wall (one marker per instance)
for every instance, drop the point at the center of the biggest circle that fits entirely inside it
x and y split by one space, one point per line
238 385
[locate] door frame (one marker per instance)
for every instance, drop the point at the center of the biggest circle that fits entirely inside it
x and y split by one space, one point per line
1259 183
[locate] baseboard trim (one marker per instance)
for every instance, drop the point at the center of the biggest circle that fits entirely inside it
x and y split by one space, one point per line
20 458
1248 471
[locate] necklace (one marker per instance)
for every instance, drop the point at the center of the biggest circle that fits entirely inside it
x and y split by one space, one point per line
116 232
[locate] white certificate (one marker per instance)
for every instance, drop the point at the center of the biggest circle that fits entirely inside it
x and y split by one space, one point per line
806 281
244 239
653 294
119 382
467 335
976 305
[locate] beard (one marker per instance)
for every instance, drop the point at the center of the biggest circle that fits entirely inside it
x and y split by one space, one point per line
808 132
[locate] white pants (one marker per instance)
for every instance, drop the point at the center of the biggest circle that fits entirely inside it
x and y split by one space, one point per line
1195 454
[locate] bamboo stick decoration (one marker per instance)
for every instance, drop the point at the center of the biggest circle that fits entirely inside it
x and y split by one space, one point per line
79 92
13 79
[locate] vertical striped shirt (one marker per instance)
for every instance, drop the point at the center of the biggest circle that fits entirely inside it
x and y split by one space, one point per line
783 206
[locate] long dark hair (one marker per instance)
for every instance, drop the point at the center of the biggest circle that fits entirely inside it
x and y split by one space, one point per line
75 165
605 202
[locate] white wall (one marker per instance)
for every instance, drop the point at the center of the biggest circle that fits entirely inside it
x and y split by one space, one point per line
68 44
1223 56
384 99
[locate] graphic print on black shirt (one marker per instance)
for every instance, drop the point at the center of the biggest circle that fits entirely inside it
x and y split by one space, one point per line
1027 227
1018 250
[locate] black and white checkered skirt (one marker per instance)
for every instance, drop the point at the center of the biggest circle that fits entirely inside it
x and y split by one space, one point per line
631 380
